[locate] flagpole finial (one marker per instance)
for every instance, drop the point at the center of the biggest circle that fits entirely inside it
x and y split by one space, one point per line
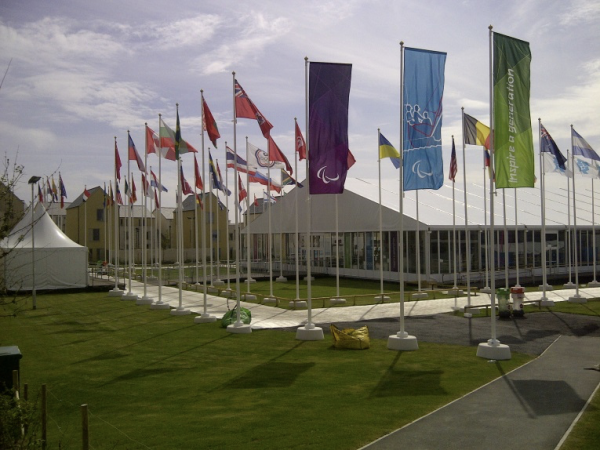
306 58
401 43
201 91
462 108
233 73
490 27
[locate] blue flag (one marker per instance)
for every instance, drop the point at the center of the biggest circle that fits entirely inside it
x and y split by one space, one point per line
548 145
422 122
581 147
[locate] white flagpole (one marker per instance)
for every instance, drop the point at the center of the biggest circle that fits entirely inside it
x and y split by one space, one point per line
467 231
116 292
145 300
505 239
105 217
401 341
238 326
419 294
227 209
84 221
309 332
205 317
454 252
516 239
297 242
270 237
492 349
594 282
281 278
487 288
577 298
249 279
381 296
210 214
544 287
196 224
218 281
568 234
129 295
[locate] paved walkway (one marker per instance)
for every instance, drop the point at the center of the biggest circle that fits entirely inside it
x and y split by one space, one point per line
532 407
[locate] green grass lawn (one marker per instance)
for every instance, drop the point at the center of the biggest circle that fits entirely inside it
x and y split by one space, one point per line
152 380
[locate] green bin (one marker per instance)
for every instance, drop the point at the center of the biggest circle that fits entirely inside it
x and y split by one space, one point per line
503 295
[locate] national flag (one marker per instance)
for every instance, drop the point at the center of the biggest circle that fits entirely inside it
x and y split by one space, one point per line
63 191
242 193
423 92
135 156
300 144
54 190
154 182
260 159
255 201
242 164
152 141
49 189
215 175
40 195
118 164
86 194
453 164
197 177
287 180
581 147
199 201
276 155
351 159
223 188
245 108
156 203
551 165
328 100
475 132
210 125
514 160
262 179
268 198
167 142
110 199
146 186
586 167
387 150
549 146
104 195
133 197
118 191
185 187
177 137
220 203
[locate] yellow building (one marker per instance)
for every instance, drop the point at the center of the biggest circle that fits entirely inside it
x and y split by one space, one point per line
85 224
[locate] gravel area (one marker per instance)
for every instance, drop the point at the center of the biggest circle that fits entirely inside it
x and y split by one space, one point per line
530 334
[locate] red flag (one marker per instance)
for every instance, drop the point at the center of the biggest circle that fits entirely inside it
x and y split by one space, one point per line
300 143
135 156
185 187
350 161
86 194
117 162
152 141
133 197
146 186
255 200
199 201
245 108
40 195
210 125
242 192
119 197
197 177
156 199
453 164
275 154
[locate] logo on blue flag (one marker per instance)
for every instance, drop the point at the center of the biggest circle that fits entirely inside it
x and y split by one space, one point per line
422 124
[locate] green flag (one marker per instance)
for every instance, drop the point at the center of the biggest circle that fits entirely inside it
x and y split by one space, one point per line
513 141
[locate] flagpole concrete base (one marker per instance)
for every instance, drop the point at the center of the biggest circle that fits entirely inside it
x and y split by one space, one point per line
486 290
269 300
548 287
472 311
402 341
144 301
205 318
248 297
569 285
577 299
593 283
419 295
250 280
116 292
311 278
180 312
218 283
337 301
493 349
467 315
281 279
129 296
382 298
455 292
212 290
160 305
239 328
297 304
309 333
544 301
228 293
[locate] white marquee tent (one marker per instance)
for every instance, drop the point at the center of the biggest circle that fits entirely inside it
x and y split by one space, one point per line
60 263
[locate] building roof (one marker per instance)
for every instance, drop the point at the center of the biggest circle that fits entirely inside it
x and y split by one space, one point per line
358 207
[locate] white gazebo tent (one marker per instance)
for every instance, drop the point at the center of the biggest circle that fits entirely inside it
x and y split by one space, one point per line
60 263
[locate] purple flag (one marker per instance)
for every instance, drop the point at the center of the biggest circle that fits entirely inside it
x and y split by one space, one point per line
328 96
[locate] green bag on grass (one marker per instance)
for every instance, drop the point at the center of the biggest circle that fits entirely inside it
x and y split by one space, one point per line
231 317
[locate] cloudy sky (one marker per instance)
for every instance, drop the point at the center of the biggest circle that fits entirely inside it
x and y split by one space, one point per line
82 72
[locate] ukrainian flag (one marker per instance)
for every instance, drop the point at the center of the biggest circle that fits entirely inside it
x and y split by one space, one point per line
387 150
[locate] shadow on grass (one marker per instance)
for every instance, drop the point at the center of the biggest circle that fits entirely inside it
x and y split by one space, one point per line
405 383
272 374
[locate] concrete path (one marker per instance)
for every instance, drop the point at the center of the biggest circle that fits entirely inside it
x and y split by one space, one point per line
264 317
532 407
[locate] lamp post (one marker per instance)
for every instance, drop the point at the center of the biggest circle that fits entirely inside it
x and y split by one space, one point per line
32 181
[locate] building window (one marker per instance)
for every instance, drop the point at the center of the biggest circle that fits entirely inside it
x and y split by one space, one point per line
100 215
95 234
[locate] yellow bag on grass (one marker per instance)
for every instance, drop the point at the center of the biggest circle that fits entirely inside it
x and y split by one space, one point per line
350 338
